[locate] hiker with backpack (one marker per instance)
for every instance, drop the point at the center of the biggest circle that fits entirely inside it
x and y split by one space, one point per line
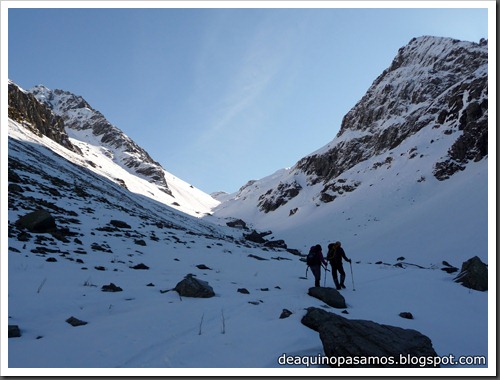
335 255
315 260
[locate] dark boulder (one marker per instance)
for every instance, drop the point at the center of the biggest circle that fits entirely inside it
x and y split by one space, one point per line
193 287
285 314
362 343
330 296
119 224
140 266
238 223
406 315
111 288
75 322
14 331
203 267
474 274
37 221
275 244
256 237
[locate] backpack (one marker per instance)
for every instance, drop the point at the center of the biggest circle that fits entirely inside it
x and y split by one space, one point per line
312 257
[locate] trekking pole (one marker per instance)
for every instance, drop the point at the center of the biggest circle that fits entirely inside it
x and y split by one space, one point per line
324 284
352 277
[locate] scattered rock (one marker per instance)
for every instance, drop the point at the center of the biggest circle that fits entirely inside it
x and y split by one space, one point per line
23 236
243 291
330 296
37 221
256 237
368 341
75 322
406 315
193 287
401 258
285 314
14 331
449 270
238 223
111 288
256 257
140 266
140 242
51 260
275 244
119 224
474 274
15 188
203 267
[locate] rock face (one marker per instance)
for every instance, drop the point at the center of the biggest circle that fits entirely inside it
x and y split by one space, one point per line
190 286
79 116
474 274
432 81
368 344
434 86
27 110
330 296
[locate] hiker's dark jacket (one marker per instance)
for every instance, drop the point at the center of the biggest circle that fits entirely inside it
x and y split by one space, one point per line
335 256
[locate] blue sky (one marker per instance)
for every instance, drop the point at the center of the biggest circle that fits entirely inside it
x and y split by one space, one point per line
223 96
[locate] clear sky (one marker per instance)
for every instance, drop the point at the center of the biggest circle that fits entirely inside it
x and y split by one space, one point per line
222 96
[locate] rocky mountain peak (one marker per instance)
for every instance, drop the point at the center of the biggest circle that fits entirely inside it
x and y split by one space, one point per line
434 87
432 82
79 116
25 108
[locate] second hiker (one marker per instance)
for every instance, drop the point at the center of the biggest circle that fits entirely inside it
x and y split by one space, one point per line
335 255
314 260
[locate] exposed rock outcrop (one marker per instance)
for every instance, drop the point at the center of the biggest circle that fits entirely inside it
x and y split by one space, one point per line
190 286
474 274
27 110
330 296
362 343
78 115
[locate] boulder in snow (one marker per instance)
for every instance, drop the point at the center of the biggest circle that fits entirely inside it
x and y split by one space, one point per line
190 286
37 221
75 322
330 296
14 331
362 343
474 274
111 288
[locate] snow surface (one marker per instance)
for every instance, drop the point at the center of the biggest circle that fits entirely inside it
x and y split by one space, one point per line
144 331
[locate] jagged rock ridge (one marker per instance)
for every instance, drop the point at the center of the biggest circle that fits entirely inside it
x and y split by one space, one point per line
78 115
437 82
433 83
25 109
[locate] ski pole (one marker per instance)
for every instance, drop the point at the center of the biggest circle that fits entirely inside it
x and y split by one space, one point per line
324 284
352 277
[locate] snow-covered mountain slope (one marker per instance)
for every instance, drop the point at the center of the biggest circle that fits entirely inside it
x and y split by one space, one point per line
105 234
107 150
407 173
